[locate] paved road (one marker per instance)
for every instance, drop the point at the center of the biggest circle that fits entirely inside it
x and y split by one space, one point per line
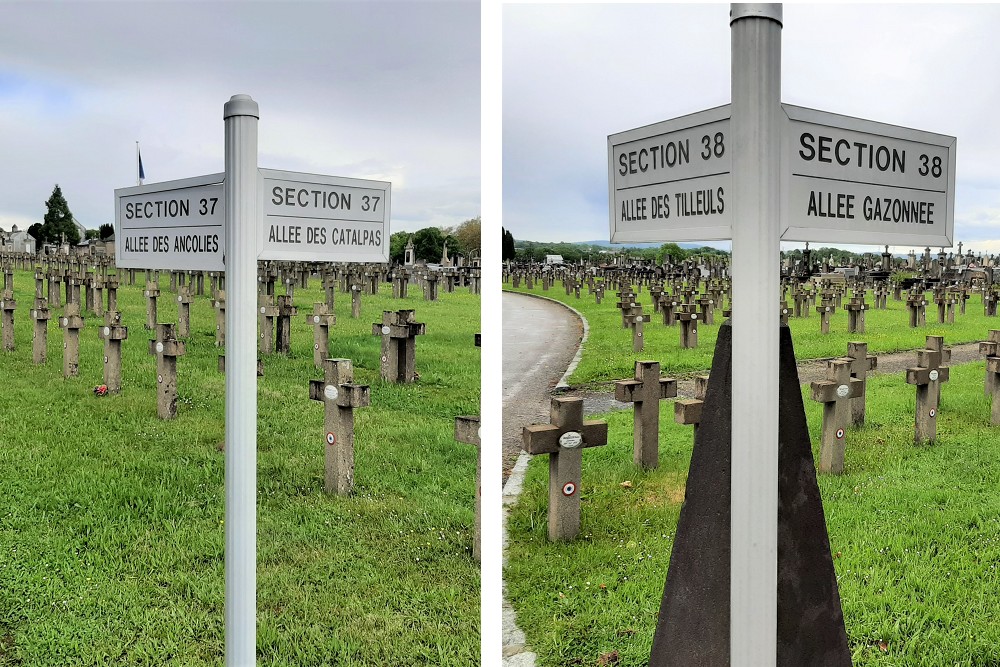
540 339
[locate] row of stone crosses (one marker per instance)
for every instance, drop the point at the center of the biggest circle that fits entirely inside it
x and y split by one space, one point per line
842 395
945 266
84 287
687 303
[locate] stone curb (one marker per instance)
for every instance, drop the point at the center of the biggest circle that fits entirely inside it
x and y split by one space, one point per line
515 651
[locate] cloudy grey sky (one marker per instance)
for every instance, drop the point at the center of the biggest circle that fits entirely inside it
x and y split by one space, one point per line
379 90
573 74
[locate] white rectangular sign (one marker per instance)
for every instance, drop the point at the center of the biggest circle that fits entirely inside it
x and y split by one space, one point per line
843 180
671 180
849 180
176 225
308 217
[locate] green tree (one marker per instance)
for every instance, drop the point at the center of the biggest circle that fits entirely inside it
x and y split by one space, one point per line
92 234
397 246
58 220
676 253
106 231
430 241
507 250
468 235
35 231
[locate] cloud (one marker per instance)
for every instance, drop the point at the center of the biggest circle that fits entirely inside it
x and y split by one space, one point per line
575 73
366 90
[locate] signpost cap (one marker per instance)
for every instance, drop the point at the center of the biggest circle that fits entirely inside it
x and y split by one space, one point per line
761 10
241 105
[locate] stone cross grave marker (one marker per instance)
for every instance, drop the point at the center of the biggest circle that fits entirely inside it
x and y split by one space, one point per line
97 289
286 310
220 317
39 344
688 320
993 376
645 392
835 393
53 287
184 299
634 322
989 302
688 410
330 288
467 431
151 293
71 322
928 376
945 305
267 312
861 363
166 348
398 331
8 305
340 396
112 287
73 293
113 334
564 440
990 348
322 319
856 309
668 308
355 300
915 306
626 303
707 304
431 289
39 285
400 282
825 310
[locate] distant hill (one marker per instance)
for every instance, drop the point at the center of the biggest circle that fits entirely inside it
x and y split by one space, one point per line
608 244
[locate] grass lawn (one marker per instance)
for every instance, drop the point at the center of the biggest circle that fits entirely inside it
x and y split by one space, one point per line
608 354
915 531
111 539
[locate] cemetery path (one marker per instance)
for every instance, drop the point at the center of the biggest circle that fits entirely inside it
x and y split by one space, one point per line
596 401
540 338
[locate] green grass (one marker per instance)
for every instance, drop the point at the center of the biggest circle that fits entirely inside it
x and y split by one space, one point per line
915 531
111 541
607 354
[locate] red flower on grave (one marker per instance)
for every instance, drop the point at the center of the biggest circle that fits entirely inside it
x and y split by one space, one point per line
101 390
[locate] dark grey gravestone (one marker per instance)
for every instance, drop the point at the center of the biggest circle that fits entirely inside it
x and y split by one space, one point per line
693 624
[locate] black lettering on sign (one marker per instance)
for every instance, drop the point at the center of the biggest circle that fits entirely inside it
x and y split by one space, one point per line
284 234
316 235
886 209
633 209
660 206
808 152
136 244
196 243
830 205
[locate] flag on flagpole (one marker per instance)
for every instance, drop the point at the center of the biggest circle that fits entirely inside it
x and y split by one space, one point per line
142 174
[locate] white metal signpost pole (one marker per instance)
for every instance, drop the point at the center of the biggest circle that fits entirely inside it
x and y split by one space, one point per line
755 145
241 115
